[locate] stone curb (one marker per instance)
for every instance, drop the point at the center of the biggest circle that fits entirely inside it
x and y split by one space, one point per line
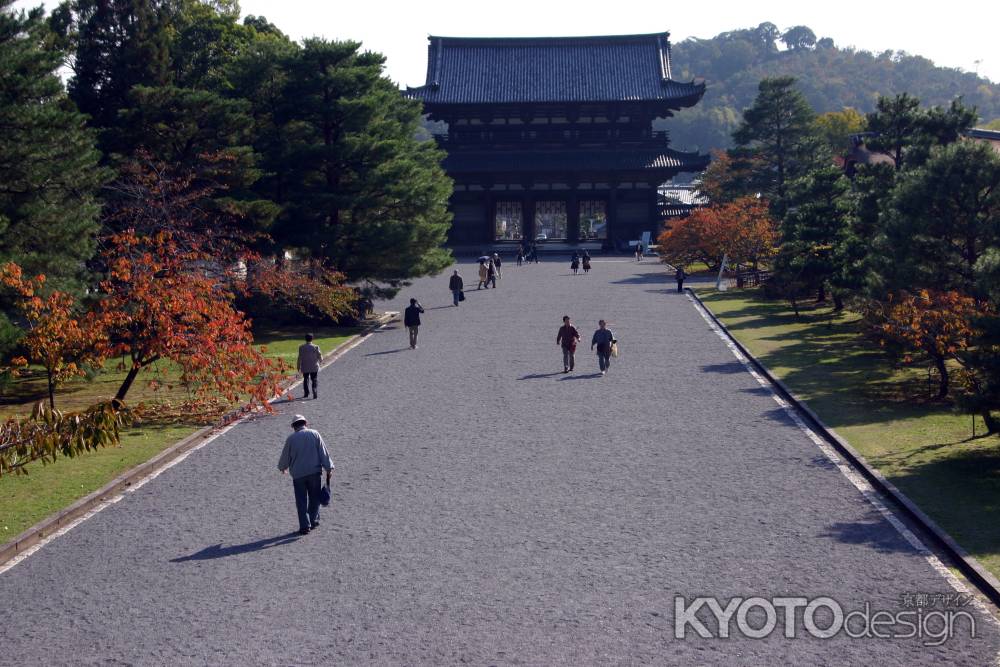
984 580
54 523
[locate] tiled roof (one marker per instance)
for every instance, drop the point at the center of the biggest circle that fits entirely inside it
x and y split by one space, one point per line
552 69
639 159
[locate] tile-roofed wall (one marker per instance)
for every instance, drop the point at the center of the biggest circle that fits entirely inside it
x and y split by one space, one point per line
551 69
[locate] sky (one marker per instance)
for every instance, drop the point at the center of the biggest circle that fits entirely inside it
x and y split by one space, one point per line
399 29
966 38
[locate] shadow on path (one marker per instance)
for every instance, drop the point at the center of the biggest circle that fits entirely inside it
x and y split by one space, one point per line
872 534
219 551
376 354
540 376
582 377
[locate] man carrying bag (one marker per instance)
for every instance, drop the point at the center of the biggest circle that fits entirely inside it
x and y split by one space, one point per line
305 457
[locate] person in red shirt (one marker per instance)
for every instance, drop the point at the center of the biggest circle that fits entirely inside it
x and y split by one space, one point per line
567 339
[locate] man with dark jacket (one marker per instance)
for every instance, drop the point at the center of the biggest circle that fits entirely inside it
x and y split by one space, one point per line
567 338
603 339
456 285
305 457
411 320
679 276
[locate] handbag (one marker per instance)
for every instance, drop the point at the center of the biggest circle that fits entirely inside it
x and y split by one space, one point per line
461 295
324 491
614 349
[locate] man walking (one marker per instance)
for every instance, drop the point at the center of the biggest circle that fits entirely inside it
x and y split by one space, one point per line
567 339
305 457
603 339
497 263
308 364
411 320
679 276
455 284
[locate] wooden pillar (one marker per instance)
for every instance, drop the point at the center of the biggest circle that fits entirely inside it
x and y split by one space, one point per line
528 206
490 205
613 233
573 216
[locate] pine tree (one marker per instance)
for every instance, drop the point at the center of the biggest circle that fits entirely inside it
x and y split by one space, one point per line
813 230
779 136
119 44
49 176
363 192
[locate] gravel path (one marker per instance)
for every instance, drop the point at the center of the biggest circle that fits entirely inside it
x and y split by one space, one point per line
489 509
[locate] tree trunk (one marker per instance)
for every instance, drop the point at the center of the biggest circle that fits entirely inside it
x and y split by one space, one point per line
838 303
127 384
992 425
52 389
942 370
821 296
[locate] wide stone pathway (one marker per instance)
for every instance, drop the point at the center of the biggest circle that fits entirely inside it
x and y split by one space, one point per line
489 509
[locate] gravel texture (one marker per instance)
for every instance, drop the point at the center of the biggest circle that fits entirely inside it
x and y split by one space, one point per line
488 509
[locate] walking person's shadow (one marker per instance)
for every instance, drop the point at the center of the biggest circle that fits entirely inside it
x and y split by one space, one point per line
219 551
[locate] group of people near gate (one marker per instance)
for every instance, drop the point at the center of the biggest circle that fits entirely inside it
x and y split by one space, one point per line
577 260
603 341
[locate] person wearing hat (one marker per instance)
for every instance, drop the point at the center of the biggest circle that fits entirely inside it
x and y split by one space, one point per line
305 457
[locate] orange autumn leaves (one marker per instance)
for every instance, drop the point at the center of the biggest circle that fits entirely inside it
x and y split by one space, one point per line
742 229
935 324
55 337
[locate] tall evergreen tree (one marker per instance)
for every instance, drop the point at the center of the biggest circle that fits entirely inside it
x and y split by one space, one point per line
945 217
119 44
813 231
49 176
363 192
779 135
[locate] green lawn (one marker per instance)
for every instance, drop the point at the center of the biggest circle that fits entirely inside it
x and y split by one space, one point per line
27 499
888 414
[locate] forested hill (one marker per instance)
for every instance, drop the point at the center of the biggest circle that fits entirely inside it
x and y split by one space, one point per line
733 63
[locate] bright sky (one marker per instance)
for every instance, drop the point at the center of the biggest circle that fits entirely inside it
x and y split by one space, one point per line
951 35
966 37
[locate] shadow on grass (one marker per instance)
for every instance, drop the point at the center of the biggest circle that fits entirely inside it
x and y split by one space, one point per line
219 551
959 490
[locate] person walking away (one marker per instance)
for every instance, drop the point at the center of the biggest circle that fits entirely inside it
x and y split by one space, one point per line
574 264
567 339
491 274
411 320
638 252
679 276
534 252
308 364
520 255
602 340
483 274
455 284
305 457
586 262
497 263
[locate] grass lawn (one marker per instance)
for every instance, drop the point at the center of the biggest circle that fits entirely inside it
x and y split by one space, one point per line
887 413
27 499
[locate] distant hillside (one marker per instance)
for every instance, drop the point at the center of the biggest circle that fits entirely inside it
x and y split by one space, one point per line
831 78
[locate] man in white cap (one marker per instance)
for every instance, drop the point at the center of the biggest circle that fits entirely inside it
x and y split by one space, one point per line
305 457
